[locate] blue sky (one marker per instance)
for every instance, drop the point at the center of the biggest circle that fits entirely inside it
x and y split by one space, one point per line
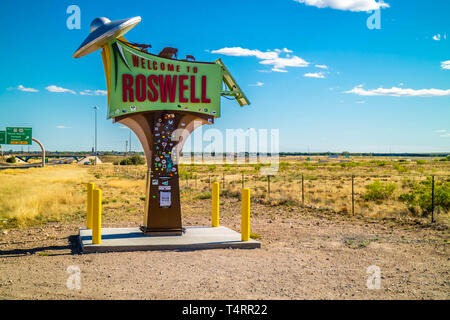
312 69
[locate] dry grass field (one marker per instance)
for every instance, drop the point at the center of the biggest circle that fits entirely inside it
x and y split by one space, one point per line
316 249
38 195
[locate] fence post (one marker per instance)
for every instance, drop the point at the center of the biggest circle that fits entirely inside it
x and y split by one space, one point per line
97 217
90 189
432 198
245 215
268 186
223 181
303 191
353 196
242 180
215 205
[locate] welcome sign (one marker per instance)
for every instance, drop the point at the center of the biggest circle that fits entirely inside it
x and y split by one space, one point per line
162 100
140 81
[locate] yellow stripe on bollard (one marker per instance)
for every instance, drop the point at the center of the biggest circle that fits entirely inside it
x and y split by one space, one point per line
215 205
97 217
245 215
90 190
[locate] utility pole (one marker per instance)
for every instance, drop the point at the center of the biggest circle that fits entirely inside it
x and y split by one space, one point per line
95 108
126 148
130 141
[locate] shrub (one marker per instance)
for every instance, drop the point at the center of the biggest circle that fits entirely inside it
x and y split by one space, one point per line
379 163
203 195
400 168
11 159
420 196
379 191
255 236
284 165
348 164
257 167
133 160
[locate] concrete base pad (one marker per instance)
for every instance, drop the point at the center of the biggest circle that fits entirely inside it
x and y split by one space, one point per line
133 239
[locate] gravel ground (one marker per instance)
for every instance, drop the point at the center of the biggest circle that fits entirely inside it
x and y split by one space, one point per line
305 254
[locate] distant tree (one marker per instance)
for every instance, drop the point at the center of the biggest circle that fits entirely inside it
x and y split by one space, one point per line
11 159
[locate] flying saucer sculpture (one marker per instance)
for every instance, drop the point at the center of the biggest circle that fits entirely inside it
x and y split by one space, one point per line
102 30
162 100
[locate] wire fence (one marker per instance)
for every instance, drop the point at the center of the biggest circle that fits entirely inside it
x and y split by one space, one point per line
373 195
377 195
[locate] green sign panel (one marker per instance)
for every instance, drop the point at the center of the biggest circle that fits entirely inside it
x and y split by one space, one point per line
18 135
140 81
2 137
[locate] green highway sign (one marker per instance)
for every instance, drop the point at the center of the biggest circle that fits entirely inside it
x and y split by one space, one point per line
18 135
2 137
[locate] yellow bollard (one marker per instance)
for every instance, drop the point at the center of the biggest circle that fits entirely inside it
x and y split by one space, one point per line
97 217
90 189
215 205
245 215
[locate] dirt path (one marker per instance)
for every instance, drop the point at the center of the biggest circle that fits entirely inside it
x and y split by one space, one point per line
305 254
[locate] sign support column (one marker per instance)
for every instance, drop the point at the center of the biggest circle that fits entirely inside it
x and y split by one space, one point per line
43 151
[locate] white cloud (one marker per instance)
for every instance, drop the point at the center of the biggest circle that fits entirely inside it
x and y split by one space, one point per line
394 91
445 135
286 50
257 84
347 5
360 102
242 52
22 88
318 75
441 131
399 92
279 64
275 69
54 88
94 92
321 66
273 58
437 37
63 127
445 65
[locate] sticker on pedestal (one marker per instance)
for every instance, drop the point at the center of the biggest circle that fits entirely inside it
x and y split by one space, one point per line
165 199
